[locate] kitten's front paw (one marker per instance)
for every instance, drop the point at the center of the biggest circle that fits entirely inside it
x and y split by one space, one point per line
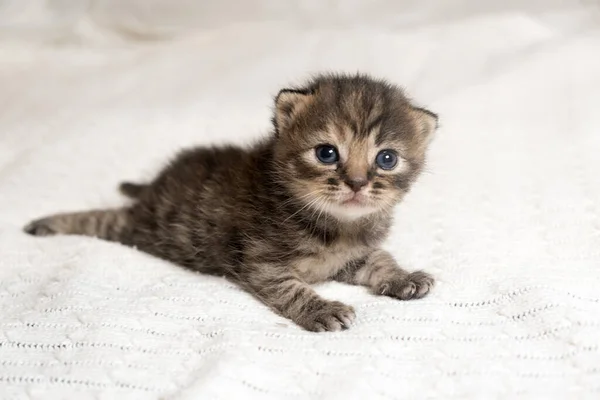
413 286
40 227
326 316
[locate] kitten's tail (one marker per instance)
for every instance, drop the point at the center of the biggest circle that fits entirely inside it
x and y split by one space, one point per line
132 190
111 224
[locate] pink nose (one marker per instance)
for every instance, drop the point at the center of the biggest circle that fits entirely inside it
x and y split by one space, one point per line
356 184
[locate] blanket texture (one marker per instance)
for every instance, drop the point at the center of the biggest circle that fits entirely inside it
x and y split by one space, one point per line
507 216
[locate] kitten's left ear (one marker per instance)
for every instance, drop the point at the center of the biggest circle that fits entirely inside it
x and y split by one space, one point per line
288 103
427 122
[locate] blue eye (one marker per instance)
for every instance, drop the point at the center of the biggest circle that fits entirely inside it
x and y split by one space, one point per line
386 159
327 154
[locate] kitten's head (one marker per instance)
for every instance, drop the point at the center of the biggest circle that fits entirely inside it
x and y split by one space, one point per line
349 146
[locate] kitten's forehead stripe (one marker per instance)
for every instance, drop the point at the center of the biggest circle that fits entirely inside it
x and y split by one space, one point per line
343 132
375 123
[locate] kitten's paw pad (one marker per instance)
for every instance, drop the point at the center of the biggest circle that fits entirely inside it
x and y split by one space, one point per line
331 316
414 286
40 227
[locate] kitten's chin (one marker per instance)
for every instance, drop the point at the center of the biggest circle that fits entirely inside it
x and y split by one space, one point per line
344 212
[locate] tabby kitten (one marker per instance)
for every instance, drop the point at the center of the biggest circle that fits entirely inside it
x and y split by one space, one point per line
311 202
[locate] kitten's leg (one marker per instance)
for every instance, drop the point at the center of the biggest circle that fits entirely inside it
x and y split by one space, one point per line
112 224
132 190
380 272
296 300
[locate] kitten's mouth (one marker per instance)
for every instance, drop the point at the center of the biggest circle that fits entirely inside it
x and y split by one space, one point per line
355 200
352 206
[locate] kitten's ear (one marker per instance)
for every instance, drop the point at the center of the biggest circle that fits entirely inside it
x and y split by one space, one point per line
288 103
427 122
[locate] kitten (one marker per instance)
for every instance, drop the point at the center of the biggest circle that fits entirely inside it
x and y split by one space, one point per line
311 202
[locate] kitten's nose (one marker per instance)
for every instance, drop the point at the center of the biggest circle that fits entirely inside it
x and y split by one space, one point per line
357 183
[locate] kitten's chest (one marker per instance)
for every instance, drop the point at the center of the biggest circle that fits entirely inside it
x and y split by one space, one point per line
328 261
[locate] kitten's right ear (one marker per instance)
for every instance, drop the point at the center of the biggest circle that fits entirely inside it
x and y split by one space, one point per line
427 122
288 103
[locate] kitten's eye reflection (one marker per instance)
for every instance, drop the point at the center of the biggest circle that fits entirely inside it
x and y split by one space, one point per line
386 159
327 154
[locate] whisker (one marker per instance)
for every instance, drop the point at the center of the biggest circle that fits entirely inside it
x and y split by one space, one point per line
305 206
296 198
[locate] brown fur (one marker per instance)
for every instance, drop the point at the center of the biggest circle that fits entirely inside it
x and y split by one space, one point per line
270 217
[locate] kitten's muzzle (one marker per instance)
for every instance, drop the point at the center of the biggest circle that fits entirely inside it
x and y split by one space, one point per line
355 199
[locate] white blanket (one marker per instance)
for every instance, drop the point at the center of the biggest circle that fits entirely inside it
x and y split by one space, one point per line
507 216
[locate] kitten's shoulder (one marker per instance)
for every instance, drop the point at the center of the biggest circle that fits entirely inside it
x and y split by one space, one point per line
209 155
224 154
229 165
